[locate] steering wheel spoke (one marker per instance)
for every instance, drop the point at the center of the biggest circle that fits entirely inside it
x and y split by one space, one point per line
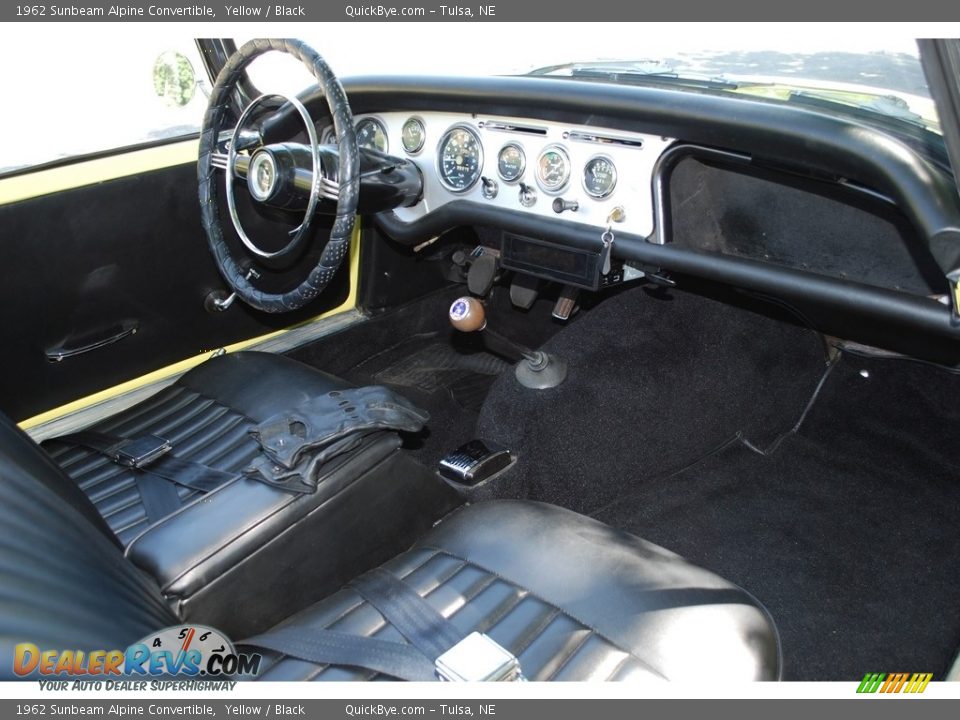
329 189
219 160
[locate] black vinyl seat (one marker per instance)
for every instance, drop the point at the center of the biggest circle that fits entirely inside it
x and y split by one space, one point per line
206 415
571 598
202 542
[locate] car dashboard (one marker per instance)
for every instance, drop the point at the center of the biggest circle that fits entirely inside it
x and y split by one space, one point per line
543 169
854 228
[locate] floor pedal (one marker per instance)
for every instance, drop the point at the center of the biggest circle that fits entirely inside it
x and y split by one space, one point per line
566 303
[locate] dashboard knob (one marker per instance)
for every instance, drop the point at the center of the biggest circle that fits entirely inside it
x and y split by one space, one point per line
617 215
490 188
560 205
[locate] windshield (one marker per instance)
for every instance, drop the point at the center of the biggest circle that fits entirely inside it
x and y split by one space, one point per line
875 71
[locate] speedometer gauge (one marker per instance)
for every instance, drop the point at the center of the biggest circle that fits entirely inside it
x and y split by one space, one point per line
599 176
553 169
372 135
460 158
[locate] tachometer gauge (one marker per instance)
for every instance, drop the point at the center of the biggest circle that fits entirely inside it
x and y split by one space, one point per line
553 169
460 158
413 135
599 176
511 162
372 135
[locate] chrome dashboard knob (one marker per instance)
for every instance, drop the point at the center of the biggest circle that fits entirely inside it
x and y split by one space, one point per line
560 205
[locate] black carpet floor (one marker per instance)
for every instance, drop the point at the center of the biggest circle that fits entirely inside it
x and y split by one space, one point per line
847 532
655 382
846 528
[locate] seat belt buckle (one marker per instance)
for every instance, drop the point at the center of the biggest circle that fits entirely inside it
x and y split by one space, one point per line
478 658
141 451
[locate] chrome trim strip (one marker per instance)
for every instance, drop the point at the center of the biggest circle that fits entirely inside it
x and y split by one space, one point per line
512 127
600 139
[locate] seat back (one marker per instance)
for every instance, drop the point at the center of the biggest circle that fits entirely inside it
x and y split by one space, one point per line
21 456
64 582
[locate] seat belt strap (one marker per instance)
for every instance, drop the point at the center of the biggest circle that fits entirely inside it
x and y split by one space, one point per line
159 497
151 454
155 468
436 649
129 452
330 647
190 474
415 618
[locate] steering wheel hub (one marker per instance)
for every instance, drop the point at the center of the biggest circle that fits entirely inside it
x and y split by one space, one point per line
262 175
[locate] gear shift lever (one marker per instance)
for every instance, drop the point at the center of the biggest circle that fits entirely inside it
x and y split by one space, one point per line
536 369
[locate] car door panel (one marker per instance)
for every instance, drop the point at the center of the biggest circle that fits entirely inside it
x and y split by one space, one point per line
119 269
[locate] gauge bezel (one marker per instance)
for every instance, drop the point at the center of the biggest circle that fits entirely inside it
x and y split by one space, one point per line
523 162
423 137
381 124
583 176
443 140
566 178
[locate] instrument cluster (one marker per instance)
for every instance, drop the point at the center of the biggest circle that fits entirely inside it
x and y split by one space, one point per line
546 168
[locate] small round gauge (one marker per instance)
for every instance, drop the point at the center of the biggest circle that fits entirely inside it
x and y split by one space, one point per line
413 135
511 162
372 135
553 169
599 176
460 158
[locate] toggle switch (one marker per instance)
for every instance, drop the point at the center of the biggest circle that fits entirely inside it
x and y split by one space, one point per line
528 196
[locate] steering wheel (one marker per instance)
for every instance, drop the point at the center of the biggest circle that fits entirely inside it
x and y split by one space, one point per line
265 166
